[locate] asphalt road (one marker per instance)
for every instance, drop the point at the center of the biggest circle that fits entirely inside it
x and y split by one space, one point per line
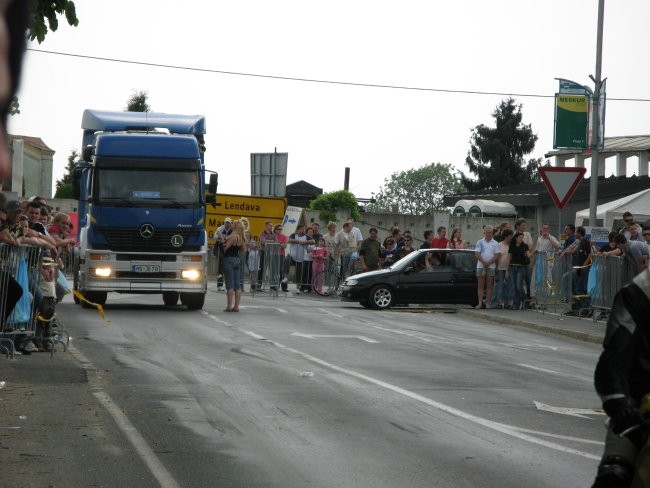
299 391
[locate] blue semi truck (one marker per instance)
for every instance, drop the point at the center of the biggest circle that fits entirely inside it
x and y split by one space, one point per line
142 194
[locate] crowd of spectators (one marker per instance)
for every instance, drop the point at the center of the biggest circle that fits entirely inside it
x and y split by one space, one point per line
342 250
504 276
34 223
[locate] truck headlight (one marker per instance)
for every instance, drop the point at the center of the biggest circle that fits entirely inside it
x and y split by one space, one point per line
103 272
191 274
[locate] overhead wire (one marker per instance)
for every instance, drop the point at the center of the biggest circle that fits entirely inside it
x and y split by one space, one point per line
310 80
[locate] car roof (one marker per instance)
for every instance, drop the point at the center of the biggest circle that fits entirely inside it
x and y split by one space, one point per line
446 249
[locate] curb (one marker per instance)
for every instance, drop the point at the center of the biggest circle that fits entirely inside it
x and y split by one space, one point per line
592 337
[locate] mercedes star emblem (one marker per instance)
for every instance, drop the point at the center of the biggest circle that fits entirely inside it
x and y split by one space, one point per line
146 231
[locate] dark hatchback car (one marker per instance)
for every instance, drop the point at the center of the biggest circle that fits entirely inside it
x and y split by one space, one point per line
424 276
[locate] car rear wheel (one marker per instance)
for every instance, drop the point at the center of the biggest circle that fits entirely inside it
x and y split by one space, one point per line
381 297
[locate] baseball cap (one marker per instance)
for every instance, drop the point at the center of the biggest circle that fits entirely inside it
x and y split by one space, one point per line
227 219
47 261
13 206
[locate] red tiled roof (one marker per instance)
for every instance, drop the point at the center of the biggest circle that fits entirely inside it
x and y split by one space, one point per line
32 141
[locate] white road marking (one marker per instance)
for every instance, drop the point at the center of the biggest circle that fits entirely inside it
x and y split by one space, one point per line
324 310
529 346
136 439
334 336
417 336
587 379
573 412
536 368
506 429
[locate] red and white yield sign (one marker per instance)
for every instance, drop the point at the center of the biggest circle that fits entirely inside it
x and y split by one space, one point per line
561 182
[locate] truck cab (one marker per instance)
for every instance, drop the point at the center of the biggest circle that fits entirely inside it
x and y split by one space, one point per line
142 196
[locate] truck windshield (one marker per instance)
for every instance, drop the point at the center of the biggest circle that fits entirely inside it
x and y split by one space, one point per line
150 186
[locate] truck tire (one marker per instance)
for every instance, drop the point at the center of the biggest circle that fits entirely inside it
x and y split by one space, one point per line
193 301
75 287
170 298
98 297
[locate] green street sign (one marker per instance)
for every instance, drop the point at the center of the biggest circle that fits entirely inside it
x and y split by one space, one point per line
571 121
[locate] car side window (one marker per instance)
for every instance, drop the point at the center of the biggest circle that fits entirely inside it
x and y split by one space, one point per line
437 262
463 262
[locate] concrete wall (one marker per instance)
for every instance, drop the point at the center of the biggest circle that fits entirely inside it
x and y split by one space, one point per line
472 227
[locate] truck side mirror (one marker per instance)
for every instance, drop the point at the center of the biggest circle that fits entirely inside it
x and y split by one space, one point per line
212 185
87 152
76 182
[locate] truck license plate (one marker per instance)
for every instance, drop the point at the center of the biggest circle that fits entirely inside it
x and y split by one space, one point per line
145 268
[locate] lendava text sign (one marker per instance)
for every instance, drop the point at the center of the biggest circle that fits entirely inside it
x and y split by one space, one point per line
256 209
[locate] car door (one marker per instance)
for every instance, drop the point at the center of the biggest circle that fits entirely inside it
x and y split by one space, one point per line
428 280
463 266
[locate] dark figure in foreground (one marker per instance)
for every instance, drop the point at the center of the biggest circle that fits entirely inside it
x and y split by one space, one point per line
622 380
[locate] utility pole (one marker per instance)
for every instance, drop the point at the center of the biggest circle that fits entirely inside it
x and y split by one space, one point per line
595 130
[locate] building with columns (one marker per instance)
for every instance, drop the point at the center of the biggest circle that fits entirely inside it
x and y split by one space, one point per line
534 202
622 148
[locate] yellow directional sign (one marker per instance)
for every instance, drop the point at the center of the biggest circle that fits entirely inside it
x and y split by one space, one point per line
256 209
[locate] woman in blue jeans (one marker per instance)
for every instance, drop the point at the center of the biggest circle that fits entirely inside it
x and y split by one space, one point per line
233 249
518 261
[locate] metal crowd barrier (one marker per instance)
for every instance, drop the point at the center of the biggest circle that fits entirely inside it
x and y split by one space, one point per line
577 290
608 276
547 277
587 289
272 264
18 266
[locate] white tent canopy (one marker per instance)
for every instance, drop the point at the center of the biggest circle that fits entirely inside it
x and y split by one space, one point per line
637 203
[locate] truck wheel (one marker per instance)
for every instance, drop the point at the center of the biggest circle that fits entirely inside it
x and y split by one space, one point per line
381 297
170 298
193 301
98 297
75 286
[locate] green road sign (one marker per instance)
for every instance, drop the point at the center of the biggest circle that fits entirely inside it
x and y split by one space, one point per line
571 121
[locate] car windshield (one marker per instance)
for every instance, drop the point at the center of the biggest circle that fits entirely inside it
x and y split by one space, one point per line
406 261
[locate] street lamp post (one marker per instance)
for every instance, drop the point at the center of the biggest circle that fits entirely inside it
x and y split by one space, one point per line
595 130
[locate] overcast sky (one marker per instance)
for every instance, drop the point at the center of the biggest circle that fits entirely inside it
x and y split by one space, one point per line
504 46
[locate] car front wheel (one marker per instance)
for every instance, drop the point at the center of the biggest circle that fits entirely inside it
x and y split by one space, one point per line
381 297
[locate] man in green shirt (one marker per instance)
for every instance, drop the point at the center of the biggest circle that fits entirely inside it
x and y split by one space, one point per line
369 251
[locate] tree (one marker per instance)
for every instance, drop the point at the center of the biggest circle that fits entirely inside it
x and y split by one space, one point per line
64 185
40 10
138 102
496 155
330 203
417 191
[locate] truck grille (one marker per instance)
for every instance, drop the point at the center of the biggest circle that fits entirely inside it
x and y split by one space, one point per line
160 241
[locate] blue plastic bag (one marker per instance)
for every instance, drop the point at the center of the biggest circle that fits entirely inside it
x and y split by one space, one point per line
63 281
539 270
592 281
23 309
